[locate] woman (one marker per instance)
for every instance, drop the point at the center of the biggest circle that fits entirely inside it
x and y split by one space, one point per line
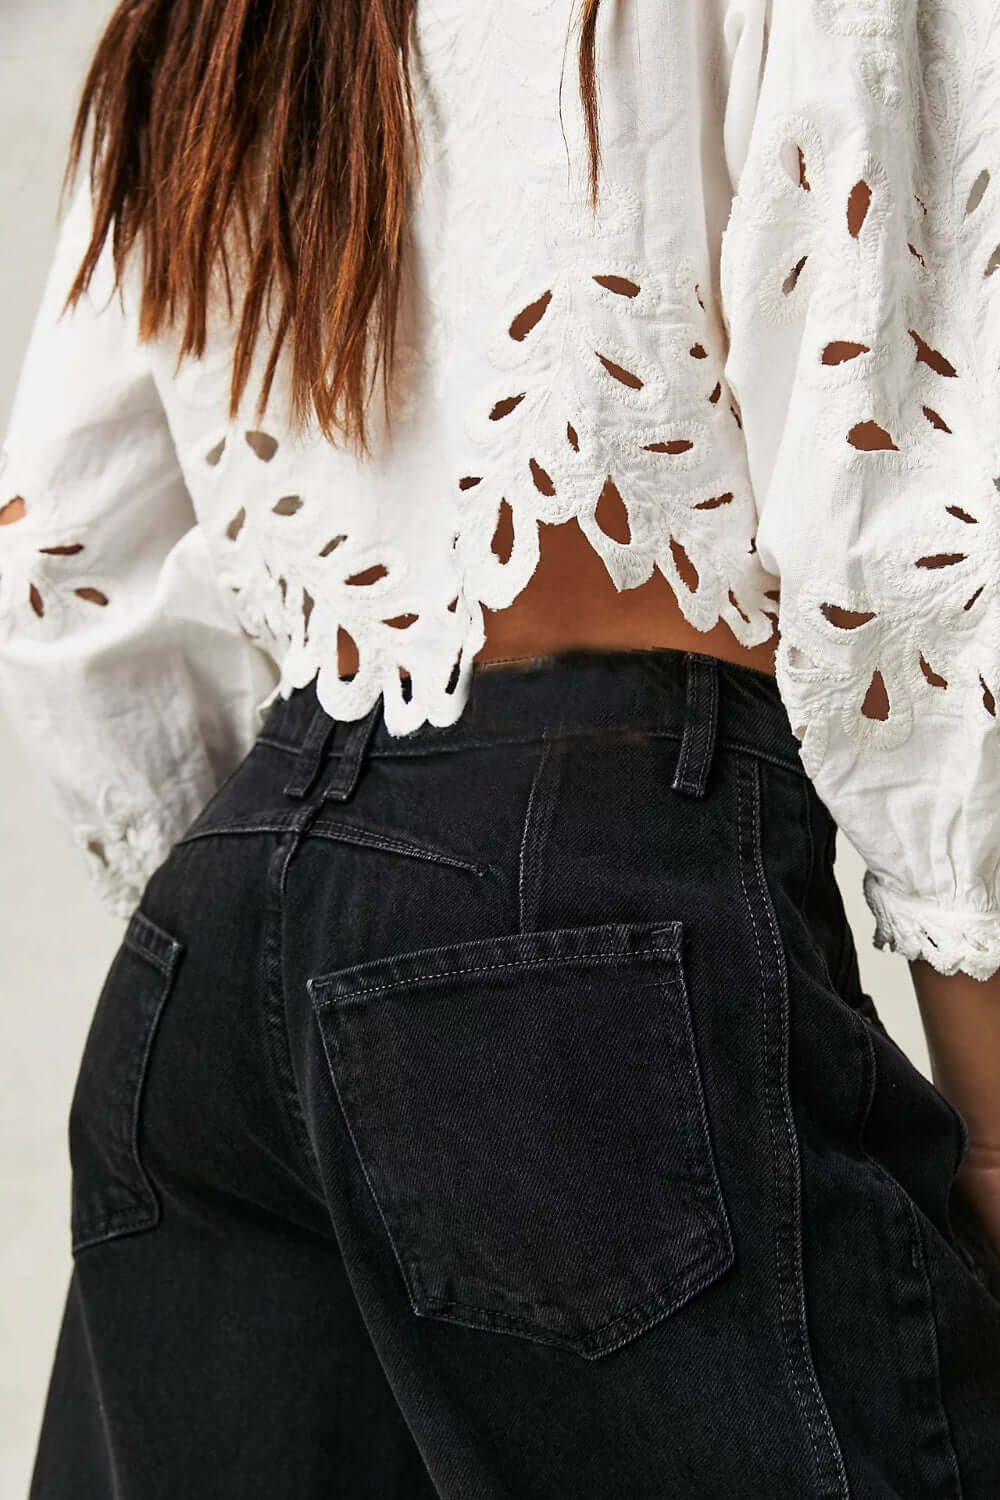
484 1101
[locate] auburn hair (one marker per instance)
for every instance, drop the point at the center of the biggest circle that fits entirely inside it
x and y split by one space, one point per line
290 122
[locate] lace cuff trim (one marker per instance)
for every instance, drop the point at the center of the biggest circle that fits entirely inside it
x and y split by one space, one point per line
947 940
120 860
128 835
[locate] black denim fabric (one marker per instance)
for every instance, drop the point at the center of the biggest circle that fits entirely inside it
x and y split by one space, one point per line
495 1113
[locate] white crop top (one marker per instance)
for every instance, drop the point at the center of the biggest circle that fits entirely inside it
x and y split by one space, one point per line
769 364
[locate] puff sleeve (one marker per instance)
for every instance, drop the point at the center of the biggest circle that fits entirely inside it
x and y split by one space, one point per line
123 675
861 282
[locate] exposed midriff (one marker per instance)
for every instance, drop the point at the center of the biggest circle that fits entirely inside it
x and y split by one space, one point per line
570 600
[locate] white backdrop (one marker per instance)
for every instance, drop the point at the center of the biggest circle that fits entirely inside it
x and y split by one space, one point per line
55 939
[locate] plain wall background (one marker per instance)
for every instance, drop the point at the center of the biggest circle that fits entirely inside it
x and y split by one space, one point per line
56 941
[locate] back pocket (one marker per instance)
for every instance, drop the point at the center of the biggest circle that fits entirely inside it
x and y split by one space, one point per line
530 1116
111 1193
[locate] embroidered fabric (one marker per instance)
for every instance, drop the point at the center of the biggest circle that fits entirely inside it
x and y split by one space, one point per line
766 368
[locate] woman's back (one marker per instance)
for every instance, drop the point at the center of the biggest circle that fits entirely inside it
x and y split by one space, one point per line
761 372
554 364
485 1077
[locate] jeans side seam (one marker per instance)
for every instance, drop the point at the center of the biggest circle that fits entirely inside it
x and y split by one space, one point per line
807 891
911 1272
920 1268
831 1475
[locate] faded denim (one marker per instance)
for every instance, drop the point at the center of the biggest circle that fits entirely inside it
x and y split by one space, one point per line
495 1113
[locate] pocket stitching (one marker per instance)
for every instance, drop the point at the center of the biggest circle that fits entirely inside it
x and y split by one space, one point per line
357 997
696 1096
322 982
718 1247
143 938
642 1314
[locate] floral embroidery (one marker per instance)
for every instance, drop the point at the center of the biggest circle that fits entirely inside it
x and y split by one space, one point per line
883 76
924 622
317 598
122 845
625 421
608 404
876 662
866 18
42 588
803 386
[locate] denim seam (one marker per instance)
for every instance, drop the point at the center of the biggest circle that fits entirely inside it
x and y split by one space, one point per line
112 1225
742 772
686 1057
917 1257
920 1265
811 870
280 822
369 838
360 1157
802 1328
489 1317
523 848
108 1228
804 1377
276 1005
596 955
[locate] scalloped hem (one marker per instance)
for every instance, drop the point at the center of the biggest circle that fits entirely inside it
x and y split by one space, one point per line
948 940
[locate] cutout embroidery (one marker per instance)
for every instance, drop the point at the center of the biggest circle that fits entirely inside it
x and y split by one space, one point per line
609 407
40 590
894 297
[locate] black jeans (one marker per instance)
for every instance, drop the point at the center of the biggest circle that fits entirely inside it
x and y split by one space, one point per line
495 1113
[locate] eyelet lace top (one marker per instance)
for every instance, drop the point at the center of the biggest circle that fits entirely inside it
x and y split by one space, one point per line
767 367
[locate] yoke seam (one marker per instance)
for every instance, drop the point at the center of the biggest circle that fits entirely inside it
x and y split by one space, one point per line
357 836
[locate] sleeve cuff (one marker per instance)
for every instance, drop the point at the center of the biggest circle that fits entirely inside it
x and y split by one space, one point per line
120 863
125 843
948 940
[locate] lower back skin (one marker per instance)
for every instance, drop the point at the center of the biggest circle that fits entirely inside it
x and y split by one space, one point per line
571 600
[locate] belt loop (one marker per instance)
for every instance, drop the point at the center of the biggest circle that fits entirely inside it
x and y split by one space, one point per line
310 755
701 716
344 776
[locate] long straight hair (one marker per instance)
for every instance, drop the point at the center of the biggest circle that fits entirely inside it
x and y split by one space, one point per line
290 121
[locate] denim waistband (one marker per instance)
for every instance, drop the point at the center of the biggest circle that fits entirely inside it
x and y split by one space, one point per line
703 701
